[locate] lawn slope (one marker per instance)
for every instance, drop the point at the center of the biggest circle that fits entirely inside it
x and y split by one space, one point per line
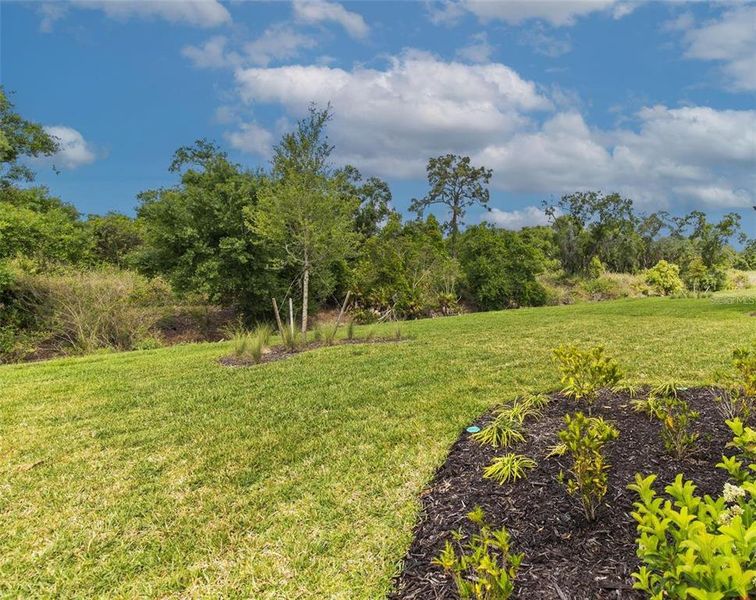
164 474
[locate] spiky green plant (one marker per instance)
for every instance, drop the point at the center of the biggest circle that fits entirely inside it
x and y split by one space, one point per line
509 467
503 431
630 389
667 389
264 332
240 342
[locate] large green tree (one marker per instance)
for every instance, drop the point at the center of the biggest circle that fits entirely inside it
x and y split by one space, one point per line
20 138
499 268
303 213
196 233
456 184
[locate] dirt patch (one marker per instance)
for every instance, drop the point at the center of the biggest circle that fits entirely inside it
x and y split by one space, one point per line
566 558
281 352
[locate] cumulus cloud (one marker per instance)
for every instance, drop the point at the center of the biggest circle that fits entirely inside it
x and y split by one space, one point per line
321 11
278 42
517 219
478 51
729 40
74 150
197 13
389 121
558 13
212 54
251 138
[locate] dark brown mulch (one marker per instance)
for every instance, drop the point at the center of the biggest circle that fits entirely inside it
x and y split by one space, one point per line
566 558
282 352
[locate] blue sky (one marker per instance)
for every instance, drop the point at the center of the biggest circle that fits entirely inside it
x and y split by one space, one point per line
654 100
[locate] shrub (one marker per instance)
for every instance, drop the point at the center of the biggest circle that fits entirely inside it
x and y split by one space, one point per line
700 278
595 268
484 568
676 418
584 439
744 361
585 372
700 548
664 278
509 467
88 310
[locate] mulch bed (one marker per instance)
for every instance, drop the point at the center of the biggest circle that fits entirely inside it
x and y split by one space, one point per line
282 352
566 558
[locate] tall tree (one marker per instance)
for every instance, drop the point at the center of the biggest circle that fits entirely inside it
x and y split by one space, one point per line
302 211
374 197
18 138
456 184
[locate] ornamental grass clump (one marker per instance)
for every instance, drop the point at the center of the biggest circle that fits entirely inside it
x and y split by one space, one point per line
509 467
584 439
506 427
700 548
484 567
585 372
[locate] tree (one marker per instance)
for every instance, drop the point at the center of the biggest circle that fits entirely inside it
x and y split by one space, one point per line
19 138
374 197
115 237
302 212
499 269
456 184
196 235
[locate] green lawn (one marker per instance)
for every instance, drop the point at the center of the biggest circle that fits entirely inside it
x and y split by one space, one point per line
161 473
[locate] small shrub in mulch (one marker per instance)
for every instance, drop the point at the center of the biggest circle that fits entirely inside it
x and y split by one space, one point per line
566 557
281 352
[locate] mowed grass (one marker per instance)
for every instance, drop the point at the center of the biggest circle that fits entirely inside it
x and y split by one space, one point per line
163 474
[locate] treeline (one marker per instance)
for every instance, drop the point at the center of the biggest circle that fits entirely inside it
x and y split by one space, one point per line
311 231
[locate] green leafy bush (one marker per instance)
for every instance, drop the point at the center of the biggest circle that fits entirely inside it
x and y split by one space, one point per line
676 418
664 278
700 548
744 361
584 438
585 372
509 467
484 567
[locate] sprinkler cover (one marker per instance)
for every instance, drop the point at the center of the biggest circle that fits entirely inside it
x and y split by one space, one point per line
473 429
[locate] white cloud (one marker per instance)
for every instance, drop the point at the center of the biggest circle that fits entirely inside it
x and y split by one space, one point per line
198 13
478 51
392 120
321 11
74 150
50 13
555 12
545 43
731 40
389 121
212 54
277 42
517 219
251 138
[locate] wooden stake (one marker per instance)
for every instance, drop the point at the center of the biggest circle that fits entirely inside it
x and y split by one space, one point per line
278 317
291 317
341 312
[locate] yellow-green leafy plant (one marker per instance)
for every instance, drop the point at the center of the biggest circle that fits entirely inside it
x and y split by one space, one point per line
744 361
633 391
483 568
509 467
584 372
583 439
664 278
667 388
676 419
700 548
505 428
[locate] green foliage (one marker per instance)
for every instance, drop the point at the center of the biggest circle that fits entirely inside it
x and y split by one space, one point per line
585 372
457 185
676 419
196 235
744 361
350 330
584 438
405 272
693 547
499 269
596 268
509 467
506 427
20 138
115 238
664 278
483 568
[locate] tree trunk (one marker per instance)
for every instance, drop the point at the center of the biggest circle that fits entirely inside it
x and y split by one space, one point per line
305 297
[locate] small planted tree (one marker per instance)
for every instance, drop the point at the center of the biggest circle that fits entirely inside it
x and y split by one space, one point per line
664 278
584 439
585 372
302 210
